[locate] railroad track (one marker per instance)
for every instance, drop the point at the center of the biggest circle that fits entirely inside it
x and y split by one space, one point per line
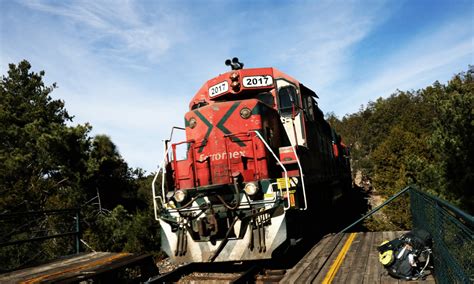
256 271
225 272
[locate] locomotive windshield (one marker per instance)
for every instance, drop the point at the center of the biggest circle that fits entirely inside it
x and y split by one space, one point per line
287 98
266 98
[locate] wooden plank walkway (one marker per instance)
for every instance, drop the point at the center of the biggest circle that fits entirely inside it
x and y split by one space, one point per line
346 258
76 268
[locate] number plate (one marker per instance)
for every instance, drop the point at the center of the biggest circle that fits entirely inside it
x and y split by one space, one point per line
257 81
218 89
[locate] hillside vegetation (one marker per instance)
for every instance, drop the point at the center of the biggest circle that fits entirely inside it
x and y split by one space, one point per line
422 137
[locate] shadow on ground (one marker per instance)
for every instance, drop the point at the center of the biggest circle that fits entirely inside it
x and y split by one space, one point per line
329 220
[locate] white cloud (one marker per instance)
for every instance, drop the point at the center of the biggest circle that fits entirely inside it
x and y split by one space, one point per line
135 112
435 56
319 48
118 28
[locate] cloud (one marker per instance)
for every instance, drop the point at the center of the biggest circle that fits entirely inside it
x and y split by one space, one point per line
118 28
318 48
93 80
437 55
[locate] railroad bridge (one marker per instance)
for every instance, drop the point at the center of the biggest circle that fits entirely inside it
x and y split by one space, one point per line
353 257
345 257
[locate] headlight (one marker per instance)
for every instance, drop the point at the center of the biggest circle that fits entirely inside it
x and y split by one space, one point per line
192 122
234 76
251 188
179 196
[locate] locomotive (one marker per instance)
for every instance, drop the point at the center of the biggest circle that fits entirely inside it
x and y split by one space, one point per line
258 166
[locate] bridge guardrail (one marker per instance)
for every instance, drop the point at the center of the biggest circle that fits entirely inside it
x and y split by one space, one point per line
452 233
451 229
21 232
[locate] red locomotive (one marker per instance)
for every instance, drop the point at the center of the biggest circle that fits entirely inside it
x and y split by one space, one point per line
260 162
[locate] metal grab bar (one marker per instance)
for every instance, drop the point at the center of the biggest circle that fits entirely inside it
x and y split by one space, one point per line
153 189
302 177
299 166
161 167
281 165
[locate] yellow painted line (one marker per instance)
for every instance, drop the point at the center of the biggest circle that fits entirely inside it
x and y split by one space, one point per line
74 269
337 263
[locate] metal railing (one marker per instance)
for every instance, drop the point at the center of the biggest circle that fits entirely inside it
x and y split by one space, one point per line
23 235
451 229
281 165
452 233
162 168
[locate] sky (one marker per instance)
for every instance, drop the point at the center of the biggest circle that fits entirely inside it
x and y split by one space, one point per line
130 68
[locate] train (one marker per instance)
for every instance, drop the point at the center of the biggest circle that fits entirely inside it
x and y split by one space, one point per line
258 167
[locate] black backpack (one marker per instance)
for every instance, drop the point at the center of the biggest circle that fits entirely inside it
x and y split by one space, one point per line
394 255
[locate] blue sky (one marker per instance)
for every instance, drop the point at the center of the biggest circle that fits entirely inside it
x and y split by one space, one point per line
130 67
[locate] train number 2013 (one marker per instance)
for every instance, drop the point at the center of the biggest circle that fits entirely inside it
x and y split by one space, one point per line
257 81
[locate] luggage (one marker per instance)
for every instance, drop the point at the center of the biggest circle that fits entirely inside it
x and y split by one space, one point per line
408 256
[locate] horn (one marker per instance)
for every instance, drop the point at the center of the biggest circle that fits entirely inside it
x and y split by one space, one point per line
234 64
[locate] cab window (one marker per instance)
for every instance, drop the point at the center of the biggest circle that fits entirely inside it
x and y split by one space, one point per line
266 98
308 105
286 98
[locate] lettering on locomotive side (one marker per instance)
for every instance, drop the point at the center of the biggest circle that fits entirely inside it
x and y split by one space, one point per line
221 156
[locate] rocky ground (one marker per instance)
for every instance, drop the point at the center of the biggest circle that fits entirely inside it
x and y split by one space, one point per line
165 265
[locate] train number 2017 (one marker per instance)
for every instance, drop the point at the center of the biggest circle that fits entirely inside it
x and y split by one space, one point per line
218 89
257 81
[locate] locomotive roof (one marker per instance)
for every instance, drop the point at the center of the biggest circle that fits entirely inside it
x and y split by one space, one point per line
221 86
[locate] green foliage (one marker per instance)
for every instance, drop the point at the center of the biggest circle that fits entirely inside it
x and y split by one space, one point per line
424 137
453 138
109 175
39 155
47 164
122 231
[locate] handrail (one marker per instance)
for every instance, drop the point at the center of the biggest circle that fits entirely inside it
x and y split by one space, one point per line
451 230
281 165
302 177
16 214
455 211
161 167
153 189
76 231
299 164
376 209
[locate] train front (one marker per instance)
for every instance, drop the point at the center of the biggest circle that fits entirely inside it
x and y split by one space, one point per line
226 198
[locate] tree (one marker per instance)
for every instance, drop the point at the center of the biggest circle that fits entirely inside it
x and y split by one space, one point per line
109 175
39 154
453 137
423 137
46 164
122 231
42 160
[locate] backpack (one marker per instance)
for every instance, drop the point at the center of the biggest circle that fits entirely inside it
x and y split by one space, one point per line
400 255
